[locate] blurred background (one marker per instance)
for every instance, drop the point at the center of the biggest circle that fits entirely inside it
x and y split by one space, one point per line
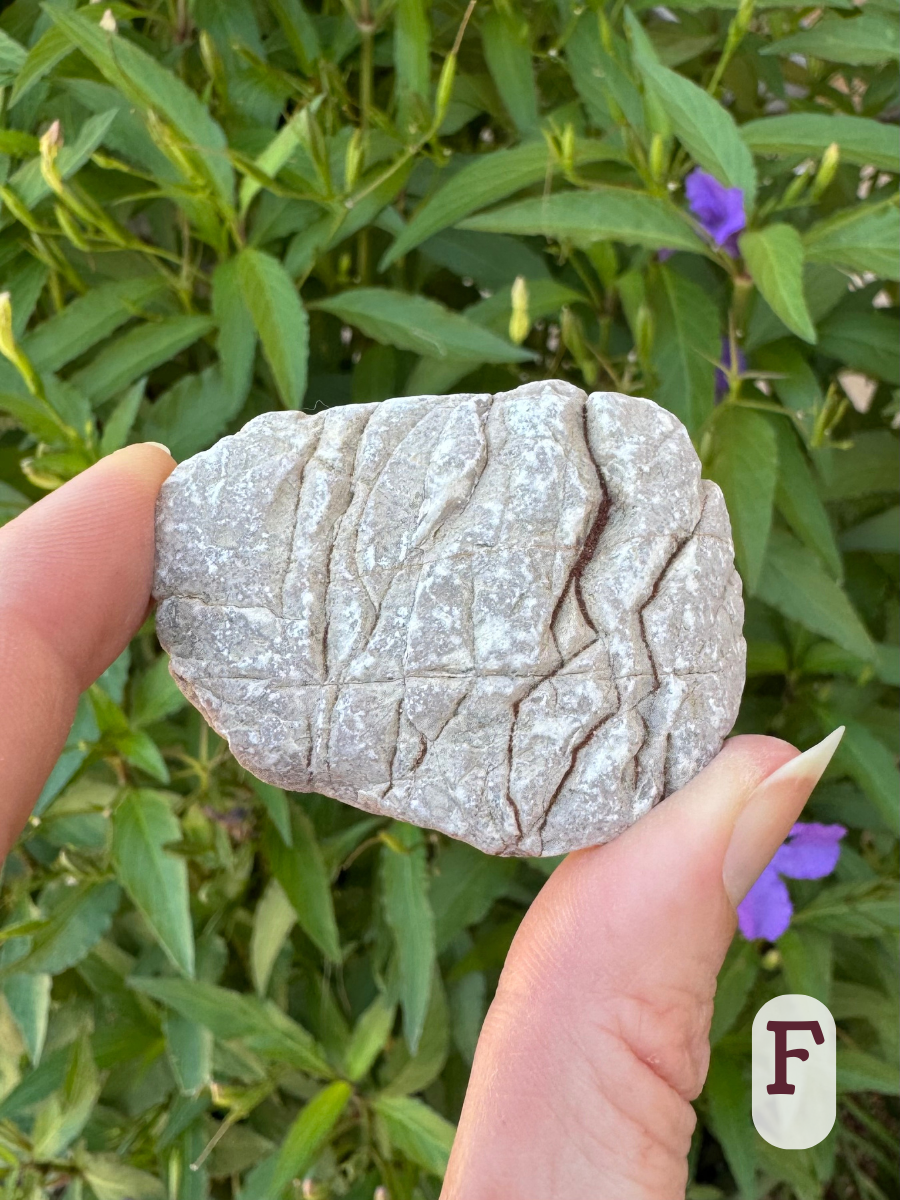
209 988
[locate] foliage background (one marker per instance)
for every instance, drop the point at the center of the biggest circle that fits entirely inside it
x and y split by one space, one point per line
208 988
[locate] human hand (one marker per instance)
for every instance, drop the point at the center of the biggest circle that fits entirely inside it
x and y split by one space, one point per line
598 1036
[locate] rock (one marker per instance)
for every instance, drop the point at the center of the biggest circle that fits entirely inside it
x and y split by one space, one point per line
513 618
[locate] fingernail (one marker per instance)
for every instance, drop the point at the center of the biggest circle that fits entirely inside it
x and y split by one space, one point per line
160 445
767 817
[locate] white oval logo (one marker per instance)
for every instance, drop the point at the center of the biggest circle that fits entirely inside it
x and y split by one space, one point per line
794 1078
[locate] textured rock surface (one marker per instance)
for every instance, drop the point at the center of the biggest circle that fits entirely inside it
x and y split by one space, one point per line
515 618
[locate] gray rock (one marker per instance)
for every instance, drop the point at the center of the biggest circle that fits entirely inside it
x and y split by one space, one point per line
513 618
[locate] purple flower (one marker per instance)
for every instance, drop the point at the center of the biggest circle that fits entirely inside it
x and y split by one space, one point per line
810 851
721 377
720 210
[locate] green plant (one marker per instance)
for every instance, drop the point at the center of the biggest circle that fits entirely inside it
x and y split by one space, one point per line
210 209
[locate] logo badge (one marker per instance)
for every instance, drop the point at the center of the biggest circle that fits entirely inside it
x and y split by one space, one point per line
794 1084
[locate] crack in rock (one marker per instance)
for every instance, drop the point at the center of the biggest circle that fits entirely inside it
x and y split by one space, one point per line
515 619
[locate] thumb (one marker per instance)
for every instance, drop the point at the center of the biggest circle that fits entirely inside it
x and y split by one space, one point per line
597 1039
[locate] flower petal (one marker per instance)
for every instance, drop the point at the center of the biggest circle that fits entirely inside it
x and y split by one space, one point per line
765 912
811 851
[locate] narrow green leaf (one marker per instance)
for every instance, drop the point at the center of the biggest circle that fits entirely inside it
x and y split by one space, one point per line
867 760
63 1115
703 126
867 39
864 238
150 86
136 353
862 140
369 1037
598 76
797 499
226 1014
405 1073
482 181
412 65
118 425
774 258
157 882
309 1132
300 869
795 583
155 694
727 1094
505 37
47 52
280 320
806 959
88 320
464 888
300 31
736 978
79 917
745 466
417 1131
191 414
415 323
273 920
858 1071
866 341
110 1178
189 1047
879 534
686 345
602 214
12 502
276 805
404 886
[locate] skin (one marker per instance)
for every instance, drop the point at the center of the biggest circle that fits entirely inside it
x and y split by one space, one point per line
597 1039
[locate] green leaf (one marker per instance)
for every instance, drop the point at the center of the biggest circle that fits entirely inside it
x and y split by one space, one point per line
157 881
28 998
464 888
412 65
63 1115
705 129
862 140
861 1072
112 1179
404 889
867 760
155 694
879 534
863 910
118 425
136 353
300 32
273 920
860 239
12 58
140 750
189 1048
507 50
49 50
280 321
236 342
29 184
806 959
300 869
727 1095
309 1132
149 86
745 466
485 180
226 1014
868 466
602 214
598 76
736 979
369 1037
686 345
797 499
867 39
404 1072
794 582
417 1131
191 414
88 320
774 258
79 917
276 805
418 324
867 341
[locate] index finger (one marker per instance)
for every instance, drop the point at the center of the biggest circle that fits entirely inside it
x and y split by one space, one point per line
75 577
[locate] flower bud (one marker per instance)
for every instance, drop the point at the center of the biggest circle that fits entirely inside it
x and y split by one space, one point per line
659 159
444 89
520 320
50 144
643 332
573 339
606 33
827 168
353 160
108 22
8 346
